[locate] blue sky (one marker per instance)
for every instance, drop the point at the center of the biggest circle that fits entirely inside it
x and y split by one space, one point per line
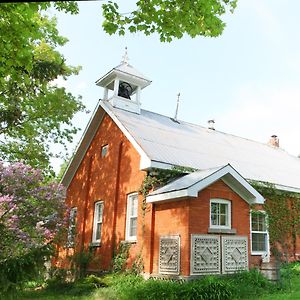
247 79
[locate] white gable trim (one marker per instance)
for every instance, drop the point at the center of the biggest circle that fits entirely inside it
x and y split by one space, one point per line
88 136
82 146
145 160
230 177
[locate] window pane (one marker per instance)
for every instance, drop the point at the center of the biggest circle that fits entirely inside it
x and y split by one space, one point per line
98 231
134 206
223 220
104 150
262 223
259 242
219 214
258 222
214 219
100 208
133 226
72 226
214 208
223 208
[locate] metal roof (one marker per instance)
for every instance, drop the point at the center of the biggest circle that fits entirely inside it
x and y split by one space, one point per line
167 142
125 70
189 185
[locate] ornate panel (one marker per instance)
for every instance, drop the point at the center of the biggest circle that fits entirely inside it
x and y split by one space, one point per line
169 255
234 253
205 254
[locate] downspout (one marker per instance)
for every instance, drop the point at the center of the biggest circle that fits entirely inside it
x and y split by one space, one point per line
86 201
117 192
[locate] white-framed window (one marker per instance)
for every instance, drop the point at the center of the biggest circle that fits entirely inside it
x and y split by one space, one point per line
259 233
104 150
97 225
220 214
131 217
72 227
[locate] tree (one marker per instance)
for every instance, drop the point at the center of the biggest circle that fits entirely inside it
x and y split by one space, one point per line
32 216
169 18
34 112
31 211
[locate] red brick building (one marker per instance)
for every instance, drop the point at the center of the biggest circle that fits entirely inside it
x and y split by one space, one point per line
200 223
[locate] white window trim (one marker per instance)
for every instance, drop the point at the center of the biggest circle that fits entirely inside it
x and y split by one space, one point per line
263 253
97 204
128 237
72 228
221 201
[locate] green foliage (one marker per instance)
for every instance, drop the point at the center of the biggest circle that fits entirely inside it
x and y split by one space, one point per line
34 112
159 177
77 288
120 258
93 279
16 271
80 262
237 286
170 19
138 265
121 286
251 283
283 210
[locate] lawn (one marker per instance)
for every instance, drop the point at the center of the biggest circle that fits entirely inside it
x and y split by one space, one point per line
244 286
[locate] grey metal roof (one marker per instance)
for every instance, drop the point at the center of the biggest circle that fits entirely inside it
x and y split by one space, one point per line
190 184
190 145
184 182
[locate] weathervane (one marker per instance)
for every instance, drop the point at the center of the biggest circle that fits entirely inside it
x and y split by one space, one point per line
125 57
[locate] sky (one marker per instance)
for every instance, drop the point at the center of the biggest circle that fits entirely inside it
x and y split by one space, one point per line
247 80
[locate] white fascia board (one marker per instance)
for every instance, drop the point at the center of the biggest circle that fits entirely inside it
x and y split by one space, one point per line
82 146
192 191
134 79
145 161
161 165
256 199
167 196
287 188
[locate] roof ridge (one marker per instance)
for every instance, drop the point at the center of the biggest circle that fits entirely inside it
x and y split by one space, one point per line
179 121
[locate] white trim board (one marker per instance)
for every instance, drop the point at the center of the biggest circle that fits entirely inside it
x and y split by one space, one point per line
227 173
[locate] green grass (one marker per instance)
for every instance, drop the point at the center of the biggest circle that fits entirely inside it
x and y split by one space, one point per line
243 286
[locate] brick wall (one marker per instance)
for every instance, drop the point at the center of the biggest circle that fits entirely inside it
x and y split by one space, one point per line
108 179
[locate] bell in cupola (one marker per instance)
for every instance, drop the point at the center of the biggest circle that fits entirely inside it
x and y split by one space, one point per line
125 90
123 85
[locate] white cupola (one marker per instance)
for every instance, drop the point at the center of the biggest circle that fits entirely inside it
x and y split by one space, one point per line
122 86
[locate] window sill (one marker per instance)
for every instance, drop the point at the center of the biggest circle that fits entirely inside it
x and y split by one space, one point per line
222 230
259 253
128 242
95 244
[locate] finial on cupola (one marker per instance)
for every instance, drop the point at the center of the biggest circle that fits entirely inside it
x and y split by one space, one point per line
125 58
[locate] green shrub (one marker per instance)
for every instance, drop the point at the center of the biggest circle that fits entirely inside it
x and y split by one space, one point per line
16 271
251 283
120 258
93 279
210 288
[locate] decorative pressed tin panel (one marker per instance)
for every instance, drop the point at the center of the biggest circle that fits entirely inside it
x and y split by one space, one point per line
205 254
234 253
169 255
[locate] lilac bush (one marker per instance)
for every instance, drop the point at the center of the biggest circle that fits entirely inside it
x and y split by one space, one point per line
32 211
